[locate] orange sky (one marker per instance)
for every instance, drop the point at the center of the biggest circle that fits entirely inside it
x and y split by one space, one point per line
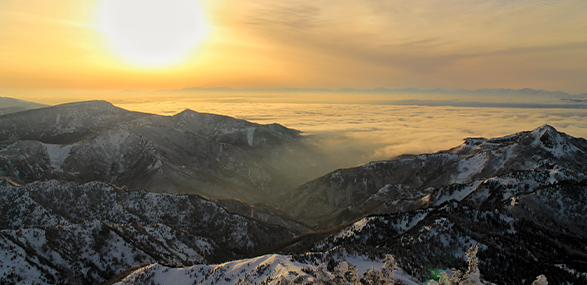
63 44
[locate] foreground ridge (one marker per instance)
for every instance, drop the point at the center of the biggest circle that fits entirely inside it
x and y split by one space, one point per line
62 233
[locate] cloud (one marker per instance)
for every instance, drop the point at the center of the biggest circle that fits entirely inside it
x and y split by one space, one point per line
290 15
430 43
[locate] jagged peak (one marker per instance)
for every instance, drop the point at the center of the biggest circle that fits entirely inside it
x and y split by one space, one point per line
550 130
547 135
185 112
545 128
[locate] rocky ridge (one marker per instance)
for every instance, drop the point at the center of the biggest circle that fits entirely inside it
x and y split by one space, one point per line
63 233
413 182
216 156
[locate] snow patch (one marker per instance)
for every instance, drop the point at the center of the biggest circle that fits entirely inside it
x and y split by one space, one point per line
156 165
469 167
356 227
250 135
269 269
58 154
460 194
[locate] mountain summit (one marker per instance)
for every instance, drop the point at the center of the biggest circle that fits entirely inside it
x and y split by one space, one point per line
347 194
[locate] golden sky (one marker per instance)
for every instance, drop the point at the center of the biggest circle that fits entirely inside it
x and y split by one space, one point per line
104 45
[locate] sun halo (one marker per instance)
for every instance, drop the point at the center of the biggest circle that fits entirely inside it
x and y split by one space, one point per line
151 33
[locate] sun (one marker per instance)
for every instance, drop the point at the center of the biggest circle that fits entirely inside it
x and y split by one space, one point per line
151 33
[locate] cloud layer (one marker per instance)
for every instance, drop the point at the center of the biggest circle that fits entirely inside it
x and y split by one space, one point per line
365 132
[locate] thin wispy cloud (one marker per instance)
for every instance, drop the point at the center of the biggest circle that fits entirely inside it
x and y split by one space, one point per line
438 43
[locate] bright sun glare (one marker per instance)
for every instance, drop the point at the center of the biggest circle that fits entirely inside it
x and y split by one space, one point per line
152 33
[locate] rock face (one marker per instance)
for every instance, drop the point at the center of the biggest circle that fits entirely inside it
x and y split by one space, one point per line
407 183
211 155
62 233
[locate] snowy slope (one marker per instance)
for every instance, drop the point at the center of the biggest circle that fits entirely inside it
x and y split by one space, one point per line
211 155
521 200
525 224
272 269
88 233
404 184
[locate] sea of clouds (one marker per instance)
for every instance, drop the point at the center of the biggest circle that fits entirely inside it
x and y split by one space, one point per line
359 133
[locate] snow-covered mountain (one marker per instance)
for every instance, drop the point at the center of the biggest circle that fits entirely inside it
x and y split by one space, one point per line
54 232
520 201
542 156
63 124
82 216
521 198
211 155
541 231
335 267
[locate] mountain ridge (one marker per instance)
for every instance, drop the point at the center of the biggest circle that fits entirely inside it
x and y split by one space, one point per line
213 155
12 105
340 191
520 200
59 225
381 90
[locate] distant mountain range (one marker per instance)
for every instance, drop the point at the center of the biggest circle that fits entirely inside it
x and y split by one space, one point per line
82 214
10 105
487 98
485 91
